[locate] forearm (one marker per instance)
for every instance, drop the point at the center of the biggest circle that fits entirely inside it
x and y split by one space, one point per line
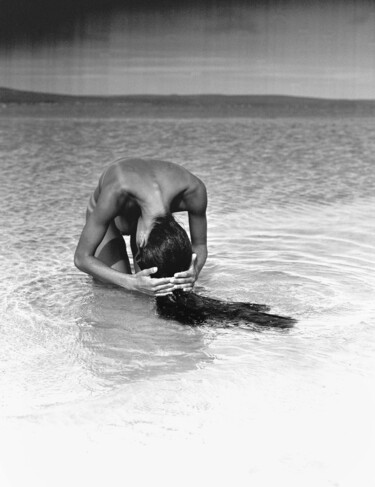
201 253
96 268
140 282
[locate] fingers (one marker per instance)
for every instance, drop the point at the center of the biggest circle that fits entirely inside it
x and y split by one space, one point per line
165 285
155 281
182 280
162 294
164 288
168 288
185 274
168 293
185 287
147 272
186 284
163 281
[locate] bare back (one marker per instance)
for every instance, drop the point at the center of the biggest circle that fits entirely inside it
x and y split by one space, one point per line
137 182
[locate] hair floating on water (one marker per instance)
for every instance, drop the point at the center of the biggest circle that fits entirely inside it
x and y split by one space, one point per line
169 249
194 309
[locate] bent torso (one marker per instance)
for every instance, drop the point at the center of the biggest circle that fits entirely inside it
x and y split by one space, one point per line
143 180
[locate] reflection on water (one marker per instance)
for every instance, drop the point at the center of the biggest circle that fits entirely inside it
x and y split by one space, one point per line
93 336
122 339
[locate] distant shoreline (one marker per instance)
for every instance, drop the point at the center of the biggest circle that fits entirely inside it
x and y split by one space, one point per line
17 103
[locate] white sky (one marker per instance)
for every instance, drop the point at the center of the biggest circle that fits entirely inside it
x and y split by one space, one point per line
324 51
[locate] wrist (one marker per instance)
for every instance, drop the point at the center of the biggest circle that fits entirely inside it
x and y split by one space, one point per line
128 282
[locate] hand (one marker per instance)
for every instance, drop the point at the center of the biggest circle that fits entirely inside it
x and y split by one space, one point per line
186 280
153 287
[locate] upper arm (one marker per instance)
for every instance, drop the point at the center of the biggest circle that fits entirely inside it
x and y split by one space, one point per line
196 204
97 223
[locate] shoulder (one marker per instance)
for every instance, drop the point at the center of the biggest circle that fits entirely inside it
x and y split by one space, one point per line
196 196
111 198
117 180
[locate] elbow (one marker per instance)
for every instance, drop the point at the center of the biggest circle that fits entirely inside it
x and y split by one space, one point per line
79 262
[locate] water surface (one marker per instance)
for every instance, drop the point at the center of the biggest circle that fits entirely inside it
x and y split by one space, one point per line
290 225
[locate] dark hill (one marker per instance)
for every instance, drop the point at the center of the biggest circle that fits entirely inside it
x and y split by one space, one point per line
180 105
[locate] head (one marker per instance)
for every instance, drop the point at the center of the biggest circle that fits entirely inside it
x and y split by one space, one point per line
168 248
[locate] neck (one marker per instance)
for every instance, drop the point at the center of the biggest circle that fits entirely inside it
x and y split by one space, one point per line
152 206
149 212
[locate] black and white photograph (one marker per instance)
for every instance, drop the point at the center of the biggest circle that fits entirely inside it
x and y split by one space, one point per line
187 234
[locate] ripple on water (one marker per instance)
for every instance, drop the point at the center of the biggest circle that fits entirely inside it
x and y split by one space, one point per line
304 261
82 338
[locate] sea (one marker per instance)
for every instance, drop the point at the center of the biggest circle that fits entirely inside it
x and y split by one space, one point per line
97 389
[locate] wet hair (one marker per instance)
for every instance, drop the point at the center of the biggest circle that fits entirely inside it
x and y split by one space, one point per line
169 249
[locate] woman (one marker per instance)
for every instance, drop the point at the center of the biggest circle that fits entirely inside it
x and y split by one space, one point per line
130 195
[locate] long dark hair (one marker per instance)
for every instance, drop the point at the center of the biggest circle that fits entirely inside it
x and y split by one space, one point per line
169 249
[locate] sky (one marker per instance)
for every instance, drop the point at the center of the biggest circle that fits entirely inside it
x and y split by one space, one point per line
95 47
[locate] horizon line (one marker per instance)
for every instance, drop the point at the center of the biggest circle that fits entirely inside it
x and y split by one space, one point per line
186 95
